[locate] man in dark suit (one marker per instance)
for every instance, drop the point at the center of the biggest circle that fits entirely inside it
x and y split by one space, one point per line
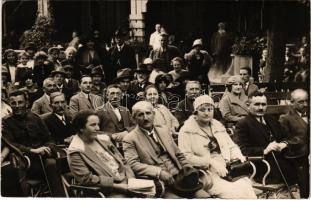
185 107
115 119
138 85
166 52
124 77
85 100
296 123
59 78
58 121
72 84
259 134
98 76
26 131
121 56
151 151
249 86
42 105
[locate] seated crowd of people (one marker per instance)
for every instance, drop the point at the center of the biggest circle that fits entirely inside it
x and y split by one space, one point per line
157 121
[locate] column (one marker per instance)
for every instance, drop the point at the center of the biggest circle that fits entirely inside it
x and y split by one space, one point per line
137 23
44 8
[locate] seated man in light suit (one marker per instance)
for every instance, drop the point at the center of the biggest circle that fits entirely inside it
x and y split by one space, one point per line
150 151
84 100
116 120
42 105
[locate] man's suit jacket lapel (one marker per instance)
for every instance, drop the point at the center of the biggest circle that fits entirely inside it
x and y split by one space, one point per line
259 127
111 113
86 101
298 118
56 121
144 142
124 117
46 104
163 137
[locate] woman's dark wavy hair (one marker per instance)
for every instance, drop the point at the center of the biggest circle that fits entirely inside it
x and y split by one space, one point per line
161 77
80 119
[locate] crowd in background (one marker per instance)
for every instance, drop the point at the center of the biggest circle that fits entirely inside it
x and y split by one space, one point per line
50 95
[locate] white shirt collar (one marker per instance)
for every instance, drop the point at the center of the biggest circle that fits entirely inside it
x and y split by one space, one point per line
59 116
120 47
116 112
86 95
247 84
60 87
263 120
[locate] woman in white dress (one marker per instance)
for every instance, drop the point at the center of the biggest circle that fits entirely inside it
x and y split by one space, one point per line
207 146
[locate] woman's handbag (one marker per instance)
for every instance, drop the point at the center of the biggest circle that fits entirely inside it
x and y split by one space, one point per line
237 169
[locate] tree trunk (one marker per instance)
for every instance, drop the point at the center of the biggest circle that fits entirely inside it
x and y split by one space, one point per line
276 43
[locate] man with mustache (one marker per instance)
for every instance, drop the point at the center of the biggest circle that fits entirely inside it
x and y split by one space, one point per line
59 121
151 151
115 119
85 100
296 122
259 134
42 105
185 107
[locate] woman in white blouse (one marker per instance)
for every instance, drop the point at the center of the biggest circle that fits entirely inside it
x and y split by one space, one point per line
163 116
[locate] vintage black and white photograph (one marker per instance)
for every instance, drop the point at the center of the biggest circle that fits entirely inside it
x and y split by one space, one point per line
171 99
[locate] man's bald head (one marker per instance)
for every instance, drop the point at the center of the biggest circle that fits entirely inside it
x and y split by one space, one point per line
143 114
299 99
141 106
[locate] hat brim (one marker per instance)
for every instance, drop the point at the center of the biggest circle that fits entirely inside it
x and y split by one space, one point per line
117 79
57 72
197 45
142 71
193 189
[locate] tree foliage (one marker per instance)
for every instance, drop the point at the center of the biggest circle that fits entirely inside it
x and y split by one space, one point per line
41 33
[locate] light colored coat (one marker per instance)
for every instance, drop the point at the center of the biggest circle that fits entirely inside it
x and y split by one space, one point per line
193 142
232 107
164 117
88 169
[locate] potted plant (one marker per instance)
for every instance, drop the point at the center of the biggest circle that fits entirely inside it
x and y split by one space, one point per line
243 50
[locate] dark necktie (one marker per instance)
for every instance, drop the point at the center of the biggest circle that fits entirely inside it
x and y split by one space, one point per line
267 128
153 138
89 98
